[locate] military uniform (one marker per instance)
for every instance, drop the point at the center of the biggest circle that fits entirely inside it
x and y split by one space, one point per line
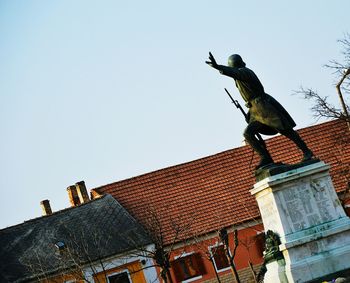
265 116
262 107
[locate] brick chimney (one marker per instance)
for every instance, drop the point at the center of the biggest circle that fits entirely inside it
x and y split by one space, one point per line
45 206
73 196
82 192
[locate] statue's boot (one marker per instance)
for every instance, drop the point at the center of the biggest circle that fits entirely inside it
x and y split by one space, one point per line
294 136
264 161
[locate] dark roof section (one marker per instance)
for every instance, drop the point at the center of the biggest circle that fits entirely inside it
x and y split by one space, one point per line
96 229
213 192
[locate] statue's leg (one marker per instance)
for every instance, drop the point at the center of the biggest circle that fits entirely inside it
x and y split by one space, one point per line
294 136
258 146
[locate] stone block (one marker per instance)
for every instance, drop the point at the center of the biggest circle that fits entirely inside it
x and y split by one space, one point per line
302 206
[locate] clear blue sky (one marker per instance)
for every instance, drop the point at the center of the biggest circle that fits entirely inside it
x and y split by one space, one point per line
105 90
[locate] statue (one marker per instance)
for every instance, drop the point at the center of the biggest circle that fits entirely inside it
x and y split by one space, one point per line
272 251
265 116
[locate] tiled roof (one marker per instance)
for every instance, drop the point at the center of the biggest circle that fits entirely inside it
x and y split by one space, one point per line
91 231
213 192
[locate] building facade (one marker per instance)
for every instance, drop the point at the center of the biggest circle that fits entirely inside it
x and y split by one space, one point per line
175 217
92 241
201 197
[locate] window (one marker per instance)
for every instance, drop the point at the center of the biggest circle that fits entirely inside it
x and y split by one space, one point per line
122 277
188 267
220 259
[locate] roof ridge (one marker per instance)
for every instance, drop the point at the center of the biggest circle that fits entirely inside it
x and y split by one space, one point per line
170 167
212 185
198 159
55 213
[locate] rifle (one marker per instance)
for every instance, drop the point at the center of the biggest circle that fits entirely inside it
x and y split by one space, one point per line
238 106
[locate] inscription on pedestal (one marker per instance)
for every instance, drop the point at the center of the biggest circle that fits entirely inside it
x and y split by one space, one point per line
308 204
323 199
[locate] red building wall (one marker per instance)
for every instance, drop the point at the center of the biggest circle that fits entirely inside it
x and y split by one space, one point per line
250 248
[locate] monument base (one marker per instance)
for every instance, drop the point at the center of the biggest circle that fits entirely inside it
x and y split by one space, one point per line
276 272
302 207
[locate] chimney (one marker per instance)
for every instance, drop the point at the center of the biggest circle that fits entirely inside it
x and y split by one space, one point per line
73 196
95 195
46 208
82 192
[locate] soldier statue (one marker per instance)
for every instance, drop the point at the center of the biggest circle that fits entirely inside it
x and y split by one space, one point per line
265 116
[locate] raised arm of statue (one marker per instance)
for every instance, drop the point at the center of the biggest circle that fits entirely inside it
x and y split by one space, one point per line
229 71
212 62
237 74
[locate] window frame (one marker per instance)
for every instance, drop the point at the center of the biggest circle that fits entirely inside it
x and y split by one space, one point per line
216 245
183 255
119 272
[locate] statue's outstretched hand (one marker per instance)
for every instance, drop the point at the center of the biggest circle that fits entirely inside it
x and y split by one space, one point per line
212 62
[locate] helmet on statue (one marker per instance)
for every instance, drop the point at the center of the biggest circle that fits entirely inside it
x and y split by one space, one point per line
236 61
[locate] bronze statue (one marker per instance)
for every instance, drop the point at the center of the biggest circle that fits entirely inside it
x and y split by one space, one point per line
272 251
265 116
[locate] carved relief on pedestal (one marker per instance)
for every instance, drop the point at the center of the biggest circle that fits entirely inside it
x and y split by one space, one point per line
308 204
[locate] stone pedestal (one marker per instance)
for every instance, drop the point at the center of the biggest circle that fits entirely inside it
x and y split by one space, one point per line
302 207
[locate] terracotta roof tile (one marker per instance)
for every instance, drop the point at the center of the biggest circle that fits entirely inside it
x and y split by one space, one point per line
214 190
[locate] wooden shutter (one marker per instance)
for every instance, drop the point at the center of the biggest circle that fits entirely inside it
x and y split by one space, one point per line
177 270
198 259
188 267
220 257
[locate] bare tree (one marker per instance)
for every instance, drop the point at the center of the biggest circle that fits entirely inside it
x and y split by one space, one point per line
85 251
207 244
158 225
229 238
230 254
248 243
340 145
68 261
202 242
82 248
321 107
